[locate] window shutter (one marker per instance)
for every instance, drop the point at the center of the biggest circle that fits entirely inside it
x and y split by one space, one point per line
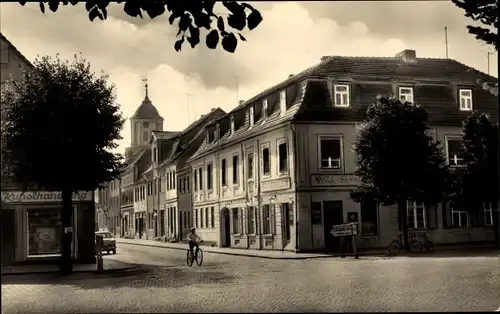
431 215
446 212
478 217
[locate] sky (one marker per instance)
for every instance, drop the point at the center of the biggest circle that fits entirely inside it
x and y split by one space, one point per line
292 37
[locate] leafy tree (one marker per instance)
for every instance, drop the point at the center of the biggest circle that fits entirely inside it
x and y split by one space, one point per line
485 12
397 160
479 179
61 122
192 16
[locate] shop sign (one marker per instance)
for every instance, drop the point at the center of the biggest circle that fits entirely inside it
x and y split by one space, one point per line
344 230
335 180
42 196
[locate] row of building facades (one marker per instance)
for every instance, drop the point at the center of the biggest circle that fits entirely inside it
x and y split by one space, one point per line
276 172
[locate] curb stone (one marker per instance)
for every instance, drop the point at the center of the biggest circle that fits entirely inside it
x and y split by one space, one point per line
240 254
46 272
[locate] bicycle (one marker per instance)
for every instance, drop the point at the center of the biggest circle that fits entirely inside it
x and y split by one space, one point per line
396 245
198 257
427 245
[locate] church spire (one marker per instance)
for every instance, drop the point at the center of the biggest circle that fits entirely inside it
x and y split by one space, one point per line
145 80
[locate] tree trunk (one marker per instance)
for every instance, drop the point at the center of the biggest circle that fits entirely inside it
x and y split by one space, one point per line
404 217
66 263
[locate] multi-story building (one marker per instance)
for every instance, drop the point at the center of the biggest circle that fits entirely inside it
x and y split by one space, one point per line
171 187
108 208
278 169
31 220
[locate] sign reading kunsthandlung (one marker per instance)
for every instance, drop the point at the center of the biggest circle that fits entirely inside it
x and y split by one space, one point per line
42 196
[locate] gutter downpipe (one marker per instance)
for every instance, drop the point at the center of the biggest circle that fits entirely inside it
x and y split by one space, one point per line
259 196
294 140
244 183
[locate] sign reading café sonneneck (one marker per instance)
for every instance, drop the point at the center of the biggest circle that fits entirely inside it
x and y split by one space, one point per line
335 180
42 196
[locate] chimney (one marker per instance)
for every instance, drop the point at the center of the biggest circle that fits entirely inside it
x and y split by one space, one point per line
241 102
324 58
407 55
290 75
201 117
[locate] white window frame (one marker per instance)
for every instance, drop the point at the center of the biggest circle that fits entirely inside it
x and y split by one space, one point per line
264 109
278 170
231 123
235 180
211 177
411 97
339 161
462 99
251 116
455 159
282 102
488 213
415 207
341 93
261 159
454 210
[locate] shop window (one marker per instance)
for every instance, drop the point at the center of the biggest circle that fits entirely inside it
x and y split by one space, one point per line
44 229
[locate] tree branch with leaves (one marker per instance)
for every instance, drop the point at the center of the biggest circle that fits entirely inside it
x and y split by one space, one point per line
484 12
191 15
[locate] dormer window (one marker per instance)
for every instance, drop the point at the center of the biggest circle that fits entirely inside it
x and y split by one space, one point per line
217 131
264 109
406 94
465 99
210 136
283 101
231 121
250 116
342 98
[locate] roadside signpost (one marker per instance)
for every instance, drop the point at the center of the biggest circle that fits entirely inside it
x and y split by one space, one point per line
348 230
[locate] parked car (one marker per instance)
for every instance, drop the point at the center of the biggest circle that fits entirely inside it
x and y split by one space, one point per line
109 242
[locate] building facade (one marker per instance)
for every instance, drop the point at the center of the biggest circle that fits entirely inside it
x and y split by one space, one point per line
172 177
31 220
278 170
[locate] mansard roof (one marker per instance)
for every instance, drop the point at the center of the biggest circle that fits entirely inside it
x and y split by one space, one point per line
309 94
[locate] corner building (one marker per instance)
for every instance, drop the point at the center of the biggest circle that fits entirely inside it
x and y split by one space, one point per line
279 168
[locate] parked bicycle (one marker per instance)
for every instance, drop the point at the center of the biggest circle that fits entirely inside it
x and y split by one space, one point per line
427 245
197 256
396 245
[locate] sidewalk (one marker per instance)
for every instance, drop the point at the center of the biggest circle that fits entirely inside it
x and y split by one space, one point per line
227 251
109 265
441 251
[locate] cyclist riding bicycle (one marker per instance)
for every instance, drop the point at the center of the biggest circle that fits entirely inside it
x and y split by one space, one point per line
193 239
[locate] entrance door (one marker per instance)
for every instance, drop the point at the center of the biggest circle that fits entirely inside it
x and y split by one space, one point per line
227 228
332 215
8 236
286 223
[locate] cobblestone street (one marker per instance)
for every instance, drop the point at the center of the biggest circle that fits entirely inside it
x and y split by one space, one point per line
243 284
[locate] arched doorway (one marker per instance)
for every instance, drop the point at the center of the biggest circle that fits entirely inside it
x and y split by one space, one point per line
225 227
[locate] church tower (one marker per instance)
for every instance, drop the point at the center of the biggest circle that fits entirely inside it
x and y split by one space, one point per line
145 120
